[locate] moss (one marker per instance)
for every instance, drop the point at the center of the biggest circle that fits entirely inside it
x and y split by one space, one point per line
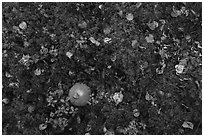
129 63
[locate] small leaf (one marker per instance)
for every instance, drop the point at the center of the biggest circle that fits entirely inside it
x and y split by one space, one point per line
187 124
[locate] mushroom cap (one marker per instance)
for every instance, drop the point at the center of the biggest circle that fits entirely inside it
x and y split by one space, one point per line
79 94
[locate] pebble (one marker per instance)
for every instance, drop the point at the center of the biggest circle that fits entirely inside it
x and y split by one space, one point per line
79 94
23 25
129 16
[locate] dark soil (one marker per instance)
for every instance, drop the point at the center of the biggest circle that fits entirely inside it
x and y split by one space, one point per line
142 62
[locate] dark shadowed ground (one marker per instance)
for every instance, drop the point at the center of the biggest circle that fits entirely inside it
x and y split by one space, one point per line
142 62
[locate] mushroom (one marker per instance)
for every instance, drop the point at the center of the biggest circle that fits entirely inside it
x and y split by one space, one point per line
79 94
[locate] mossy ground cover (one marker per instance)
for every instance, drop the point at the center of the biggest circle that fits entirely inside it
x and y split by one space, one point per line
141 61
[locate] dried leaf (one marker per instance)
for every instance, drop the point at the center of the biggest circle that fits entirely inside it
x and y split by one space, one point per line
187 124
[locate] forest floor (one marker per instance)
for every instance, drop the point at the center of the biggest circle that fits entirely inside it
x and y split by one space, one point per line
142 62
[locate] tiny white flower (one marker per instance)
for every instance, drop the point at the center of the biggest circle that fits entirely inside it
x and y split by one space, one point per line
107 40
71 72
52 114
24 59
109 66
150 38
26 44
129 16
134 42
153 25
136 113
69 54
179 69
54 52
148 97
43 50
118 97
31 109
37 72
42 126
